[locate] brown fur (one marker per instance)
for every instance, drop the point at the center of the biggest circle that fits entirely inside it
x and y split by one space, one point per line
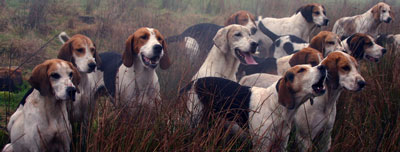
164 61
286 93
319 41
133 45
334 63
76 42
41 73
241 18
306 56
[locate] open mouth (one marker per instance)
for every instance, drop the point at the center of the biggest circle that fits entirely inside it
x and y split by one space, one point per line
319 88
372 59
150 62
245 57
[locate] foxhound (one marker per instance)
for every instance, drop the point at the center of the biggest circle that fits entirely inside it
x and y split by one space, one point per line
41 121
232 45
367 23
363 46
342 74
301 24
281 65
198 40
267 113
81 51
131 78
319 118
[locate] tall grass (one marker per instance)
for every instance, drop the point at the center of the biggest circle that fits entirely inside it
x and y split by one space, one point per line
366 120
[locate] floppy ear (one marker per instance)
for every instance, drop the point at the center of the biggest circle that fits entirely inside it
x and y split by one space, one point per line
164 61
286 93
76 77
221 39
233 19
333 75
299 58
128 55
356 46
96 56
306 11
40 80
317 42
376 11
65 52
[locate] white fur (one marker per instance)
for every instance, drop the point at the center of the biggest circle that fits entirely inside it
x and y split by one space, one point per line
364 23
310 120
222 60
139 82
294 25
268 117
42 122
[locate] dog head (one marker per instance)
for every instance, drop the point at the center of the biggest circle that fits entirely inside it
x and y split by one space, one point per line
81 51
300 83
326 42
363 46
149 47
343 71
382 12
306 56
56 78
314 13
244 18
235 40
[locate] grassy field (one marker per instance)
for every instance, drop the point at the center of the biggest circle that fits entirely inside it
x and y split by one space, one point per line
366 121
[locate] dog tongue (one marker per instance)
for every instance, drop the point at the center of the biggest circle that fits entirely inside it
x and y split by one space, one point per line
249 59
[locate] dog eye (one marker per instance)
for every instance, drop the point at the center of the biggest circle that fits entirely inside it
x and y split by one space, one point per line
55 76
80 50
301 70
144 37
368 44
238 34
92 49
70 75
316 13
331 43
346 68
159 38
383 11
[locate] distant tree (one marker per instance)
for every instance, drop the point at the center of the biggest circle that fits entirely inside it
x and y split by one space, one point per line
37 13
2 4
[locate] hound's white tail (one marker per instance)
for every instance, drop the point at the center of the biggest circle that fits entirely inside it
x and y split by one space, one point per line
63 37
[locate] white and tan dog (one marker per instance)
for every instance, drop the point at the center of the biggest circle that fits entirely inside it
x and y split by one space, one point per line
266 112
301 24
131 78
41 121
319 118
232 46
367 23
81 51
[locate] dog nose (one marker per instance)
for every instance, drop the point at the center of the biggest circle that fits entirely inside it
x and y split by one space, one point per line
157 49
384 51
71 93
389 19
92 66
253 30
361 84
326 21
253 46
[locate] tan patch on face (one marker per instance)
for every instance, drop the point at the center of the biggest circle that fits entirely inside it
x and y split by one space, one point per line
317 9
79 43
240 17
323 39
306 56
141 36
338 63
133 45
